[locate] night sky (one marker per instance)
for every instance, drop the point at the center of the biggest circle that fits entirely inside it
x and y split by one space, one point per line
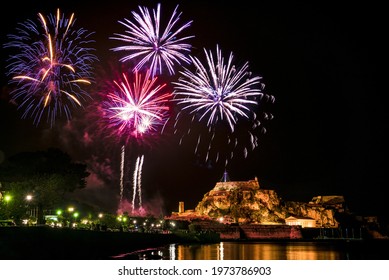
322 63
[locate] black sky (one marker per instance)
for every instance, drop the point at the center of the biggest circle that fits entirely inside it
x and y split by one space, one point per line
322 63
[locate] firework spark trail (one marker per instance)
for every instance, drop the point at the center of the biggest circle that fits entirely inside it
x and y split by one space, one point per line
223 98
137 183
122 175
144 41
134 183
50 68
140 182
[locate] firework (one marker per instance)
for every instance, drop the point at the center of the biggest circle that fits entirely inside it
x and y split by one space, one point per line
137 183
144 41
135 109
122 174
223 98
51 66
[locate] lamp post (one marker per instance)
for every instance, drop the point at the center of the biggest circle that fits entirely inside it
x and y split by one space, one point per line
7 198
75 216
29 198
70 216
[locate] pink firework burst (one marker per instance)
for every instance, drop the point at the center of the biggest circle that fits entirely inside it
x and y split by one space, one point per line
136 106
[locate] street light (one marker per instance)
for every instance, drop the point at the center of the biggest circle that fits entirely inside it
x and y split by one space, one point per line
29 198
7 198
69 217
75 216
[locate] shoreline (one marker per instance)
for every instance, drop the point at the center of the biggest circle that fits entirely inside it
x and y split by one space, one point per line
45 243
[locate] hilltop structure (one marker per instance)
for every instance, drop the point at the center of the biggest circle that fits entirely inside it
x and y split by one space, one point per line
245 202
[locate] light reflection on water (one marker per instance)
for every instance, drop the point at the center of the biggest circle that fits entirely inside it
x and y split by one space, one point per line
254 251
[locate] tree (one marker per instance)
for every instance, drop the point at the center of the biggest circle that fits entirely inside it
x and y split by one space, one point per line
46 175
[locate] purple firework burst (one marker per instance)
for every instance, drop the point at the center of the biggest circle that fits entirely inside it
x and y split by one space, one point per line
222 102
50 67
154 49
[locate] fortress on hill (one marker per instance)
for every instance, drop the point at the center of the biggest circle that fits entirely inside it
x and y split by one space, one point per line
246 203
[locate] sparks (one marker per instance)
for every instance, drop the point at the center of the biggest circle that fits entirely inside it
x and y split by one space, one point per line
50 67
223 98
144 41
135 108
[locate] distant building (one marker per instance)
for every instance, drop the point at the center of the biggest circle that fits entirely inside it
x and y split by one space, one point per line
304 222
181 207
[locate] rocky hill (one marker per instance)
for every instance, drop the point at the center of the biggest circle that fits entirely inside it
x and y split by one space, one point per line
246 202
